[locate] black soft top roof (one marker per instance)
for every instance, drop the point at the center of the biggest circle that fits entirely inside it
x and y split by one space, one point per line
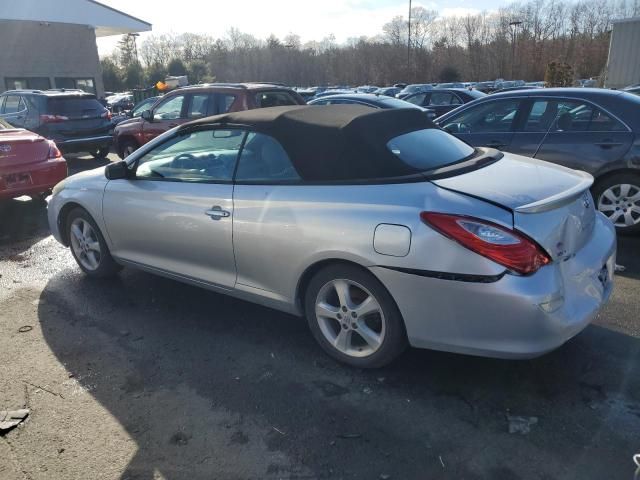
333 142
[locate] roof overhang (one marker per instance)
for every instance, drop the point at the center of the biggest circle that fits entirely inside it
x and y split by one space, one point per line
105 20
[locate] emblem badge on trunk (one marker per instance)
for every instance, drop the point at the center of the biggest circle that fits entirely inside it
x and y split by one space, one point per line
4 148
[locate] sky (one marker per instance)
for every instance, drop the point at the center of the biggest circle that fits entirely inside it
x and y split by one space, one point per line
312 20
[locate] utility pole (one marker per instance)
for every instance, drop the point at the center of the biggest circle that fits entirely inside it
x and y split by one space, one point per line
409 45
514 28
134 37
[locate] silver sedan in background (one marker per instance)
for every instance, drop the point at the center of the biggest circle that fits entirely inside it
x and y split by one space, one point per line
380 228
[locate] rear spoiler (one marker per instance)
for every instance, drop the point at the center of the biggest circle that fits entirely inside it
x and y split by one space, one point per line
559 199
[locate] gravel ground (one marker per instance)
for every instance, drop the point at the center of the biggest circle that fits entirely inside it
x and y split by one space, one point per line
142 377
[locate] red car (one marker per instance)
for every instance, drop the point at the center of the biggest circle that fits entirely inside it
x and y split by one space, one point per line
29 164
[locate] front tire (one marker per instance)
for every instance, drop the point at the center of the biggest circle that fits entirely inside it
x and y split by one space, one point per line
618 198
353 317
88 246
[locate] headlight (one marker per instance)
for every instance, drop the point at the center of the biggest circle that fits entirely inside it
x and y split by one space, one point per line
58 188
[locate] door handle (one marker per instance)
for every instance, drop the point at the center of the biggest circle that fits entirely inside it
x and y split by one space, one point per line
608 144
216 213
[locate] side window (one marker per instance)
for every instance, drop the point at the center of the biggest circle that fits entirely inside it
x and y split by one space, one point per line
601 122
417 99
576 116
496 116
200 156
543 115
264 160
171 109
198 105
13 104
441 98
274 99
225 102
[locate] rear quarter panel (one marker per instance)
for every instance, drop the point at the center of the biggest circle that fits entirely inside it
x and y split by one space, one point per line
281 231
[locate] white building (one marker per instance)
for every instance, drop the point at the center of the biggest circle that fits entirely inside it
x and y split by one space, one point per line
52 43
623 66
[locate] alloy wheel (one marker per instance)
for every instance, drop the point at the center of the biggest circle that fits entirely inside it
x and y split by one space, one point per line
85 244
621 204
350 318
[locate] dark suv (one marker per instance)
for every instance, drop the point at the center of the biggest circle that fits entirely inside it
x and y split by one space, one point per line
189 103
74 119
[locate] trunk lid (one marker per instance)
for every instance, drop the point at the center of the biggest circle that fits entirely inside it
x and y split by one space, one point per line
19 146
551 204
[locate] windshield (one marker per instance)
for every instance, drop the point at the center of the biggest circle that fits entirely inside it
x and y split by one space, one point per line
429 149
142 106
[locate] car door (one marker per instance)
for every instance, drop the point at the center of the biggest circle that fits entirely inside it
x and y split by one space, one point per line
585 137
169 113
174 214
266 217
486 124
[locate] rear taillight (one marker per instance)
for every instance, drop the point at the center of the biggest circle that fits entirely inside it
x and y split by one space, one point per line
54 152
53 118
507 247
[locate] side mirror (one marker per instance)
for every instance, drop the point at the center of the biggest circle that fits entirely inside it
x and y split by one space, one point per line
148 115
116 171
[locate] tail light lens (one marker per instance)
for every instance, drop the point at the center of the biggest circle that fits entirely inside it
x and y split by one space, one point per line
53 118
54 152
507 247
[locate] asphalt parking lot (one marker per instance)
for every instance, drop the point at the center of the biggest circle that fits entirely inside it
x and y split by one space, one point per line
142 377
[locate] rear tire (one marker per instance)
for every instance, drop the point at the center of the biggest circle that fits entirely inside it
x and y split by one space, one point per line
353 317
100 153
88 246
618 198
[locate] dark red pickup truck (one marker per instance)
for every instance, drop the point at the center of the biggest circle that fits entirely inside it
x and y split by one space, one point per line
189 103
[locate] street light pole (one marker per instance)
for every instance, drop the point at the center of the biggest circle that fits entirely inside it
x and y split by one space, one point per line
409 43
514 26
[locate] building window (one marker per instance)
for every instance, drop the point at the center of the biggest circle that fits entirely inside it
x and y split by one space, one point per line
85 84
32 83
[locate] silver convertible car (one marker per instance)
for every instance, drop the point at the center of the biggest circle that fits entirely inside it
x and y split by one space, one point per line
380 228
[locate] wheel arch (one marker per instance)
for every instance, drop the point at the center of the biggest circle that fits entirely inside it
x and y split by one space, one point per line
311 270
62 220
123 140
601 177
63 216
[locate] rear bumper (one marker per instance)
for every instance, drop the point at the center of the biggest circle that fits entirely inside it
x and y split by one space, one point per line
37 178
84 143
515 316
